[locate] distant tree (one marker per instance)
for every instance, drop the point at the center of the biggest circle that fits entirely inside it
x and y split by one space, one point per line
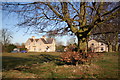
23 45
10 47
60 48
59 45
5 38
78 18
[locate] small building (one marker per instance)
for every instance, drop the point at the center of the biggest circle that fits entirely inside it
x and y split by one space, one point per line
97 46
40 45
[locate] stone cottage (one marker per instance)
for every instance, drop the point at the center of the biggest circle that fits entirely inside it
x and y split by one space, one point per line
42 44
97 46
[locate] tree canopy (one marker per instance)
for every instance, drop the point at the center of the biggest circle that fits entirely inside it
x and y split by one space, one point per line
78 18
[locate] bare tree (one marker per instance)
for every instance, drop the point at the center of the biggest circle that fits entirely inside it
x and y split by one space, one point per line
78 18
5 36
5 39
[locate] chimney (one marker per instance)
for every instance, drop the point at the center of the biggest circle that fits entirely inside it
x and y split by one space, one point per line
33 37
44 37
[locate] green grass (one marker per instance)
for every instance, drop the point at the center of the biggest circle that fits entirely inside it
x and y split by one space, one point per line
109 65
12 60
47 65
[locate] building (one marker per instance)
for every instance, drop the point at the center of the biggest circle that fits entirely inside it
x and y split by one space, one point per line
40 45
97 46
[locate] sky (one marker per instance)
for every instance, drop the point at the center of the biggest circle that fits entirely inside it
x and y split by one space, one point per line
10 21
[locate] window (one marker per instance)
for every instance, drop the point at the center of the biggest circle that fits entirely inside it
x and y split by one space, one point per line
92 43
47 47
102 48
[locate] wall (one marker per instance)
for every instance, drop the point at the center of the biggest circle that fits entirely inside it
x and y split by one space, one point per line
39 46
96 46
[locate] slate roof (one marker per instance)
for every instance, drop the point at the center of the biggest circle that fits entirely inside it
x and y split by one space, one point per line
47 41
36 40
31 39
50 40
102 41
44 41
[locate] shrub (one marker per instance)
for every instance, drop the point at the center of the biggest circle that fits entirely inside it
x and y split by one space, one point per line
72 56
8 48
21 49
60 48
76 57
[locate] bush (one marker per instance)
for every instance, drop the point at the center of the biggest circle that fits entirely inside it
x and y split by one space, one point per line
76 57
8 48
21 49
73 56
60 48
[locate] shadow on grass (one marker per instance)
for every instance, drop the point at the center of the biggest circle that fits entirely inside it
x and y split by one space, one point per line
9 62
48 58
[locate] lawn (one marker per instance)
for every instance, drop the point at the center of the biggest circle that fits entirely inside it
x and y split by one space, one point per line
48 65
109 64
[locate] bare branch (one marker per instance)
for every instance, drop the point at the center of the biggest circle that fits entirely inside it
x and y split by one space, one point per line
48 4
109 12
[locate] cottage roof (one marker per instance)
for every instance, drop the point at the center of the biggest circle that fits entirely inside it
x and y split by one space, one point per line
50 40
20 47
31 39
45 41
98 40
36 40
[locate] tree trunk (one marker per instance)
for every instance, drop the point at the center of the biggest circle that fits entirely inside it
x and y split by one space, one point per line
116 45
109 48
82 45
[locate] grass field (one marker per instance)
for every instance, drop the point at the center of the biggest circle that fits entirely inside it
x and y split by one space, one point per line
47 65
